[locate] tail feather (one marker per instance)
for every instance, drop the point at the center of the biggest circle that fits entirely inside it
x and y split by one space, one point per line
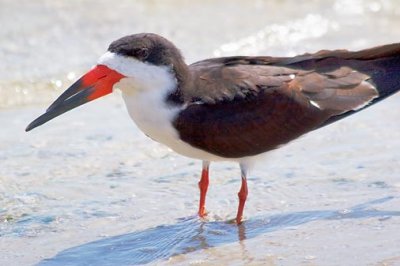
384 73
381 64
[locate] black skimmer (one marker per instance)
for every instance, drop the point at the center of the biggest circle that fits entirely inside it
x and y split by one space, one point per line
232 108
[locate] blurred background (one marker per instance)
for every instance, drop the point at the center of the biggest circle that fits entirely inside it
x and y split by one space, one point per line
91 174
47 43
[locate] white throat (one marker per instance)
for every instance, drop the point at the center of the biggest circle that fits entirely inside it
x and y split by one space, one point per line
144 90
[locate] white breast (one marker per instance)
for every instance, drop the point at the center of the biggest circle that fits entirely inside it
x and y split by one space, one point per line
151 114
144 91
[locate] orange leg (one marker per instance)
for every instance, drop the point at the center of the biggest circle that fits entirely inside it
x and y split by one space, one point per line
203 186
242 196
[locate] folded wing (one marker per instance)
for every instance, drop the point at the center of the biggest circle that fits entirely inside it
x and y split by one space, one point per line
243 106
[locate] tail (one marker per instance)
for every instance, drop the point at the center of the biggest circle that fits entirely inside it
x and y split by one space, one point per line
381 64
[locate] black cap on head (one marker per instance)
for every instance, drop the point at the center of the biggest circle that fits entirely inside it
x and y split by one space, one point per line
147 47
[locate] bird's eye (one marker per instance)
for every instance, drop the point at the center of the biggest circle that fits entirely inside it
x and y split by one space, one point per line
142 53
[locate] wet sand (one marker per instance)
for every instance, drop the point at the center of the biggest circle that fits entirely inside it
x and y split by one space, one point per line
90 188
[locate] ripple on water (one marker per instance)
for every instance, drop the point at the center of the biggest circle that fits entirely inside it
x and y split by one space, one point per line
191 234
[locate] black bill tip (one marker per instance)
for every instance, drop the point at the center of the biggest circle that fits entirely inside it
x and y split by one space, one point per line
43 119
33 124
30 127
62 107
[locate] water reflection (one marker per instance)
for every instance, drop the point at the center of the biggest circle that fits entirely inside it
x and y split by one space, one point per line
191 234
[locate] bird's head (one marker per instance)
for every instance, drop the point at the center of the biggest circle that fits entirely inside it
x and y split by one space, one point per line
135 64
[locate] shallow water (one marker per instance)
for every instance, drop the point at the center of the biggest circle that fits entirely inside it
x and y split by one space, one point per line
89 188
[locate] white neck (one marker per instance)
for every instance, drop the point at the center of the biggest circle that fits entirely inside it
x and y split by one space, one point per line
144 90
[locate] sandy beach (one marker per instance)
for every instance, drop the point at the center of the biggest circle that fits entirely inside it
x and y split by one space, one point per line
90 189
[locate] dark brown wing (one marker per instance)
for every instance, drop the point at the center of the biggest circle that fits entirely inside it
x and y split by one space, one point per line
243 106
248 126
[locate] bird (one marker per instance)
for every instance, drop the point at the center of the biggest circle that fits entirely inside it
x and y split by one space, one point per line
233 108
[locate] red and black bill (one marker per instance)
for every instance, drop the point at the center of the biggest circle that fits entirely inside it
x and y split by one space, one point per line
96 83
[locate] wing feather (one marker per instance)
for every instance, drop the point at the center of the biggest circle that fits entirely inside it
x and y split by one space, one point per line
243 106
